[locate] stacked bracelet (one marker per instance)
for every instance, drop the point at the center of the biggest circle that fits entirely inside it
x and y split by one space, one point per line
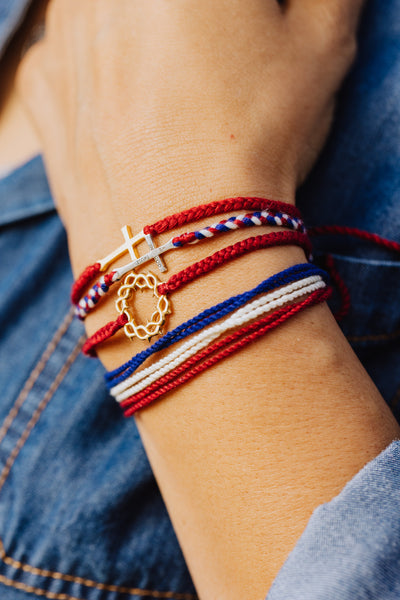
126 321
249 315
210 337
236 341
266 303
211 315
102 286
136 390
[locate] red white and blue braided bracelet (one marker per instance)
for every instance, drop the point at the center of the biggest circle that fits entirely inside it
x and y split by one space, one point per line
176 281
102 286
190 215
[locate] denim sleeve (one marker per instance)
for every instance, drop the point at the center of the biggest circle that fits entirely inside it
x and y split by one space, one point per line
350 549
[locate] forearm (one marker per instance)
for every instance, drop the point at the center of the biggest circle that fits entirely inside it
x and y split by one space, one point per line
176 105
244 452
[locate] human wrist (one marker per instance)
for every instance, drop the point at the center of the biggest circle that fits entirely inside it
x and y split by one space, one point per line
233 277
197 175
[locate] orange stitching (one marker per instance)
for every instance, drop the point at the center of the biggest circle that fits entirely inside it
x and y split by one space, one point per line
380 337
33 590
54 596
35 417
16 564
35 374
10 461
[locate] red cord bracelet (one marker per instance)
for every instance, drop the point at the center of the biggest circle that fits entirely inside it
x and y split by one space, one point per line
241 338
202 267
187 216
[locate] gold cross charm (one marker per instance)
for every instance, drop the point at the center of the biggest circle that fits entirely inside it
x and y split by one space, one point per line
130 245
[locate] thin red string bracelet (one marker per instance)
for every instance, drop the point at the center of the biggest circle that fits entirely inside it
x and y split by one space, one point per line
355 232
345 300
189 216
248 334
202 267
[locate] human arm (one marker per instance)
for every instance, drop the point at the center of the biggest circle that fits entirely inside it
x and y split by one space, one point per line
260 497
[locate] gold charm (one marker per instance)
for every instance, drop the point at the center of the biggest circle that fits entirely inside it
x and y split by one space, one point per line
142 281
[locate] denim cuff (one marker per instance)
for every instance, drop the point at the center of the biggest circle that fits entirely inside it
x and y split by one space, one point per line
350 549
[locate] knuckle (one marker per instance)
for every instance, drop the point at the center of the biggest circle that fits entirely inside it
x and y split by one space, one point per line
335 30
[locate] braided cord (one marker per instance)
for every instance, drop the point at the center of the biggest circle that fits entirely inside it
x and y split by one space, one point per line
239 222
83 280
241 338
102 286
219 207
253 310
208 264
209 316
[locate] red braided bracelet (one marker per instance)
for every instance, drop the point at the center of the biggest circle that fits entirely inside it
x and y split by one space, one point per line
104 333
219 207
208 264
267 240
189 216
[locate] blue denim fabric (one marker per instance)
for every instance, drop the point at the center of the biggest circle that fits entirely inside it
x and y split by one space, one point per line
12 13
350 549
81 517
357 183
77 496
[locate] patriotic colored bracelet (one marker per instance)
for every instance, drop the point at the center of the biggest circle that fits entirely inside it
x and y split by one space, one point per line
103 285
126 319
218 351
176 220
250 311
211 315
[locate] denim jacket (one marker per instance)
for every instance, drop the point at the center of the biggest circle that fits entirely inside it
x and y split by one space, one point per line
81 517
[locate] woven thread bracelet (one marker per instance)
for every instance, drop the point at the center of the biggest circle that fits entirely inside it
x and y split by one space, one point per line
211 315
103 285
171 222
201 268
267 303
150 384
227 346
250 311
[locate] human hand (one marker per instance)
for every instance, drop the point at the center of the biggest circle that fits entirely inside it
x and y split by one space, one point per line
147 107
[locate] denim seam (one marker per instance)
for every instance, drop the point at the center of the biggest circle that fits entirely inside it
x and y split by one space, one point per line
14 454
35 373
33 590
354 339
36 415
61 596
110 588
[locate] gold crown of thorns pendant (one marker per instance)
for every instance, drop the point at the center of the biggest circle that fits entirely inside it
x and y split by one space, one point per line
142 281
